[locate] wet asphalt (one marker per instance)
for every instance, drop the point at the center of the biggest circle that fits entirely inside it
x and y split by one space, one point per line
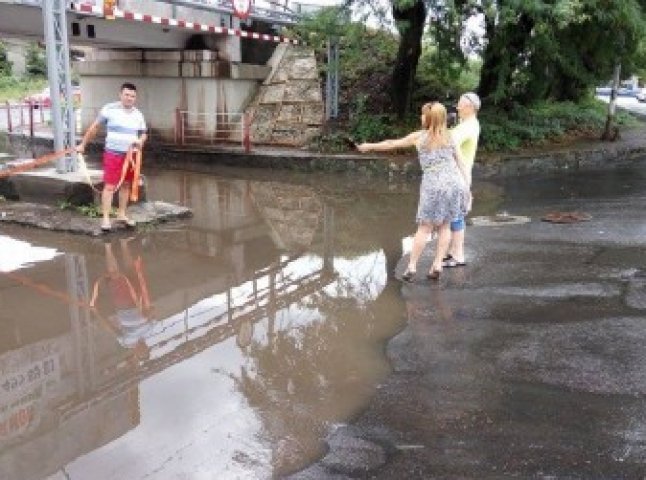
528 363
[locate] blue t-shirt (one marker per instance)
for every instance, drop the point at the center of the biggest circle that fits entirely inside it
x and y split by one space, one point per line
124 126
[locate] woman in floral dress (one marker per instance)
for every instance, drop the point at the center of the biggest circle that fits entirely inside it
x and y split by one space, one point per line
444 192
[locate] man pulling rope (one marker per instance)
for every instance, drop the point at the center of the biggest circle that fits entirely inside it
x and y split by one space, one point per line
126 134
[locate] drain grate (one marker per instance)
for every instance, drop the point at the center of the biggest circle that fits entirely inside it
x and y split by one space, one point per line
566 217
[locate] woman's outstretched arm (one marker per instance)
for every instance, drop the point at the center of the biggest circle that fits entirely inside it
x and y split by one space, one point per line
408 141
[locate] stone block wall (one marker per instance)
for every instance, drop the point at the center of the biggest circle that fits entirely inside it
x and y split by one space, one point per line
288 108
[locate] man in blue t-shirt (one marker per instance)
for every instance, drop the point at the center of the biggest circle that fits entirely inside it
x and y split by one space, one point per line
126 128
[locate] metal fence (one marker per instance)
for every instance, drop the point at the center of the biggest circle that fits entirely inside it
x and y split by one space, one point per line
24 116
193 128
187 129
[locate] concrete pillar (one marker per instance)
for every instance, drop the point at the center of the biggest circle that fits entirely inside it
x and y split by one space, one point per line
16 52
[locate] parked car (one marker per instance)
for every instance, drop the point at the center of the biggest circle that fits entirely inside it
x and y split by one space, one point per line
641 95
44 97
626 88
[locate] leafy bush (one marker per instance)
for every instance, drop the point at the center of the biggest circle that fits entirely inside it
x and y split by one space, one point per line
5 64
35 62
334 142
544 122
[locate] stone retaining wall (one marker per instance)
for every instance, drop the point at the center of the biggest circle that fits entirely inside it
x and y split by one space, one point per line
288 108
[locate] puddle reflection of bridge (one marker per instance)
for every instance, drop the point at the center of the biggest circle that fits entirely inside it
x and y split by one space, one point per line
64 368
191 332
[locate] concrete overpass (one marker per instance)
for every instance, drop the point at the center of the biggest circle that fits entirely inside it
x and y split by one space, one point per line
149 24
198 66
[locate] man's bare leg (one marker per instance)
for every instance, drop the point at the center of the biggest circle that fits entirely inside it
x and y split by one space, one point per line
441 248
106 205
457 245
124 196
419 242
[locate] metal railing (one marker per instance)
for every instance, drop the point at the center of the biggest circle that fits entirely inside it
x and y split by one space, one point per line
188 129
284 12
25 116
192 128
276 12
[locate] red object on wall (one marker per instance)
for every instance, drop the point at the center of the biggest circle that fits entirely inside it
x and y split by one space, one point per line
241 8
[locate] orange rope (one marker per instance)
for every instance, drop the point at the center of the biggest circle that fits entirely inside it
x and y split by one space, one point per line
34 163
47 290
132 160
60 296
142 301
134 188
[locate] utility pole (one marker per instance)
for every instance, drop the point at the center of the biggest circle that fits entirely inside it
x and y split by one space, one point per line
332 82
611 132
60 81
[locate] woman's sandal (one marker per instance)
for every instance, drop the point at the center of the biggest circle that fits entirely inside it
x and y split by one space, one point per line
408 276
433 275
450 262
128 221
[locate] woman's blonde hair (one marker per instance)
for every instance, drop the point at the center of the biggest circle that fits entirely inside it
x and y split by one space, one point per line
434 120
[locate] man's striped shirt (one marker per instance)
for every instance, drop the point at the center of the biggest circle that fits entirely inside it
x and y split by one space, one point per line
124 126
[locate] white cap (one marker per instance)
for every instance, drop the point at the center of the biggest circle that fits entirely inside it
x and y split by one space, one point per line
473 98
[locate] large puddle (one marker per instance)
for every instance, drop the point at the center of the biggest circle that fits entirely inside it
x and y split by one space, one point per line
226 346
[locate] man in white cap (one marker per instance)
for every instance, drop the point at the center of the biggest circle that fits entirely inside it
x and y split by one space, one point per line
465 135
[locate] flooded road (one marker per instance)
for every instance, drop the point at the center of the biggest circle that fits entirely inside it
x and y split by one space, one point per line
226 346
266 335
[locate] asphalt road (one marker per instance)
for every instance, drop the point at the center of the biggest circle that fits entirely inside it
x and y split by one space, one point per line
528 363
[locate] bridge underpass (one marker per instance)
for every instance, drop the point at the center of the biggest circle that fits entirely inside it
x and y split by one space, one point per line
197 65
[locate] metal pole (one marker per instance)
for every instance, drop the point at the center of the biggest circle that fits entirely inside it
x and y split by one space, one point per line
332 80
246 132
60 81
77 287
328 238
9 123
31 119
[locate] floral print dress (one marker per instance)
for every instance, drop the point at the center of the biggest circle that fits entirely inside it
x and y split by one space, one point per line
443 193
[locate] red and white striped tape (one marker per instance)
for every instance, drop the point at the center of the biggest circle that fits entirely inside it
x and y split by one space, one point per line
175 22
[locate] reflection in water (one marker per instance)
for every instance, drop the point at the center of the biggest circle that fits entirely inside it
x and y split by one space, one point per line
224 349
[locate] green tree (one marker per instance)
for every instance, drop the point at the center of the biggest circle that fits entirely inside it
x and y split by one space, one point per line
36 65
5 64
410 19
555 49
366 58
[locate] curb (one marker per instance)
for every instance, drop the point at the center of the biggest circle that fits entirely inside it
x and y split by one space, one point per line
611 155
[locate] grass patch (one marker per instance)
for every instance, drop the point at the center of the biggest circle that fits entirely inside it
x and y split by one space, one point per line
15 89
91 211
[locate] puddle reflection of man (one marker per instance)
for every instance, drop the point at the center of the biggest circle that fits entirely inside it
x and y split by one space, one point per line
129 298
